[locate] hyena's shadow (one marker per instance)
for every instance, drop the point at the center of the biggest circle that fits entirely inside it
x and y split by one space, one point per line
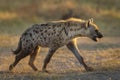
5 72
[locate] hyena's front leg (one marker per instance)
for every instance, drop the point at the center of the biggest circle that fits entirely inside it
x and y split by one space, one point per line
73 47
47 59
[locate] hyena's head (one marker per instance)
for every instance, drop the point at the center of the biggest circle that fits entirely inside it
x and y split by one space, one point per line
92 30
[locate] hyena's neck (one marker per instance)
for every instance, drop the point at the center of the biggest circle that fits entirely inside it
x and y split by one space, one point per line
75 29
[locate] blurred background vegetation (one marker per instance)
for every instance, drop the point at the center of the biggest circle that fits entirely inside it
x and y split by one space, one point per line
17 15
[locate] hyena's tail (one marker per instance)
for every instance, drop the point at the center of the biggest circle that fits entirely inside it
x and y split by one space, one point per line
19 48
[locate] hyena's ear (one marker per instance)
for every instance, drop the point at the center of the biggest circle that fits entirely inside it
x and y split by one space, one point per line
89 21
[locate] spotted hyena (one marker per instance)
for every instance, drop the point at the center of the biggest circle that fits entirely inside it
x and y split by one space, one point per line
54 35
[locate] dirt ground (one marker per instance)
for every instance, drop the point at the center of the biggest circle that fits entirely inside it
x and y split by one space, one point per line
103 56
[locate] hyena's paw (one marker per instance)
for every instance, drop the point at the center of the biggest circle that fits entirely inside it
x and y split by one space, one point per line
89 69
35 69
46 71
11 67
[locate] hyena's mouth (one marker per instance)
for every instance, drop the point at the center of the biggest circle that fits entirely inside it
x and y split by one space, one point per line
95 38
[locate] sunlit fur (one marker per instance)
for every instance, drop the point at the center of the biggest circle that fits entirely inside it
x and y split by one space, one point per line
54 35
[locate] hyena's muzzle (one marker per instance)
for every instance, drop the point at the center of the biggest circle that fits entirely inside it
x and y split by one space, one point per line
97 35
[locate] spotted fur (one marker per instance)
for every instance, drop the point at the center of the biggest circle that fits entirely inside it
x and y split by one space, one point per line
54 35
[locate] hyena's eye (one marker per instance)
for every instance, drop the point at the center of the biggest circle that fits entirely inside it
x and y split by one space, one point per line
96 31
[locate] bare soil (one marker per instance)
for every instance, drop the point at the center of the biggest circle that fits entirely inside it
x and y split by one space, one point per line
103 56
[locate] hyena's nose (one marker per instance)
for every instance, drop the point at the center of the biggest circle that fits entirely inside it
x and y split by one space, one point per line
100 36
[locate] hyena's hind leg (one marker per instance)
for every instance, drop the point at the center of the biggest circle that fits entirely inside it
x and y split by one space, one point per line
18 57
32 58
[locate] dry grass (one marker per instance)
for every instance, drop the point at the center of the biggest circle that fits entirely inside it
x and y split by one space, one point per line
7 15
102 56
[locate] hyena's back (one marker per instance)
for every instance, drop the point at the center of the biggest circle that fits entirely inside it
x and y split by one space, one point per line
43 35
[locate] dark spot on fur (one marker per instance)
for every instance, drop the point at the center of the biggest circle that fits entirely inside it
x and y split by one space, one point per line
41 30
23 39
71 29
37 28
41 33
49 27
35 31
75 29
52 33
48 34
31 45
45 38
57 34
26 40
68 24
44 24
54 30
30 35
54 25
45 31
